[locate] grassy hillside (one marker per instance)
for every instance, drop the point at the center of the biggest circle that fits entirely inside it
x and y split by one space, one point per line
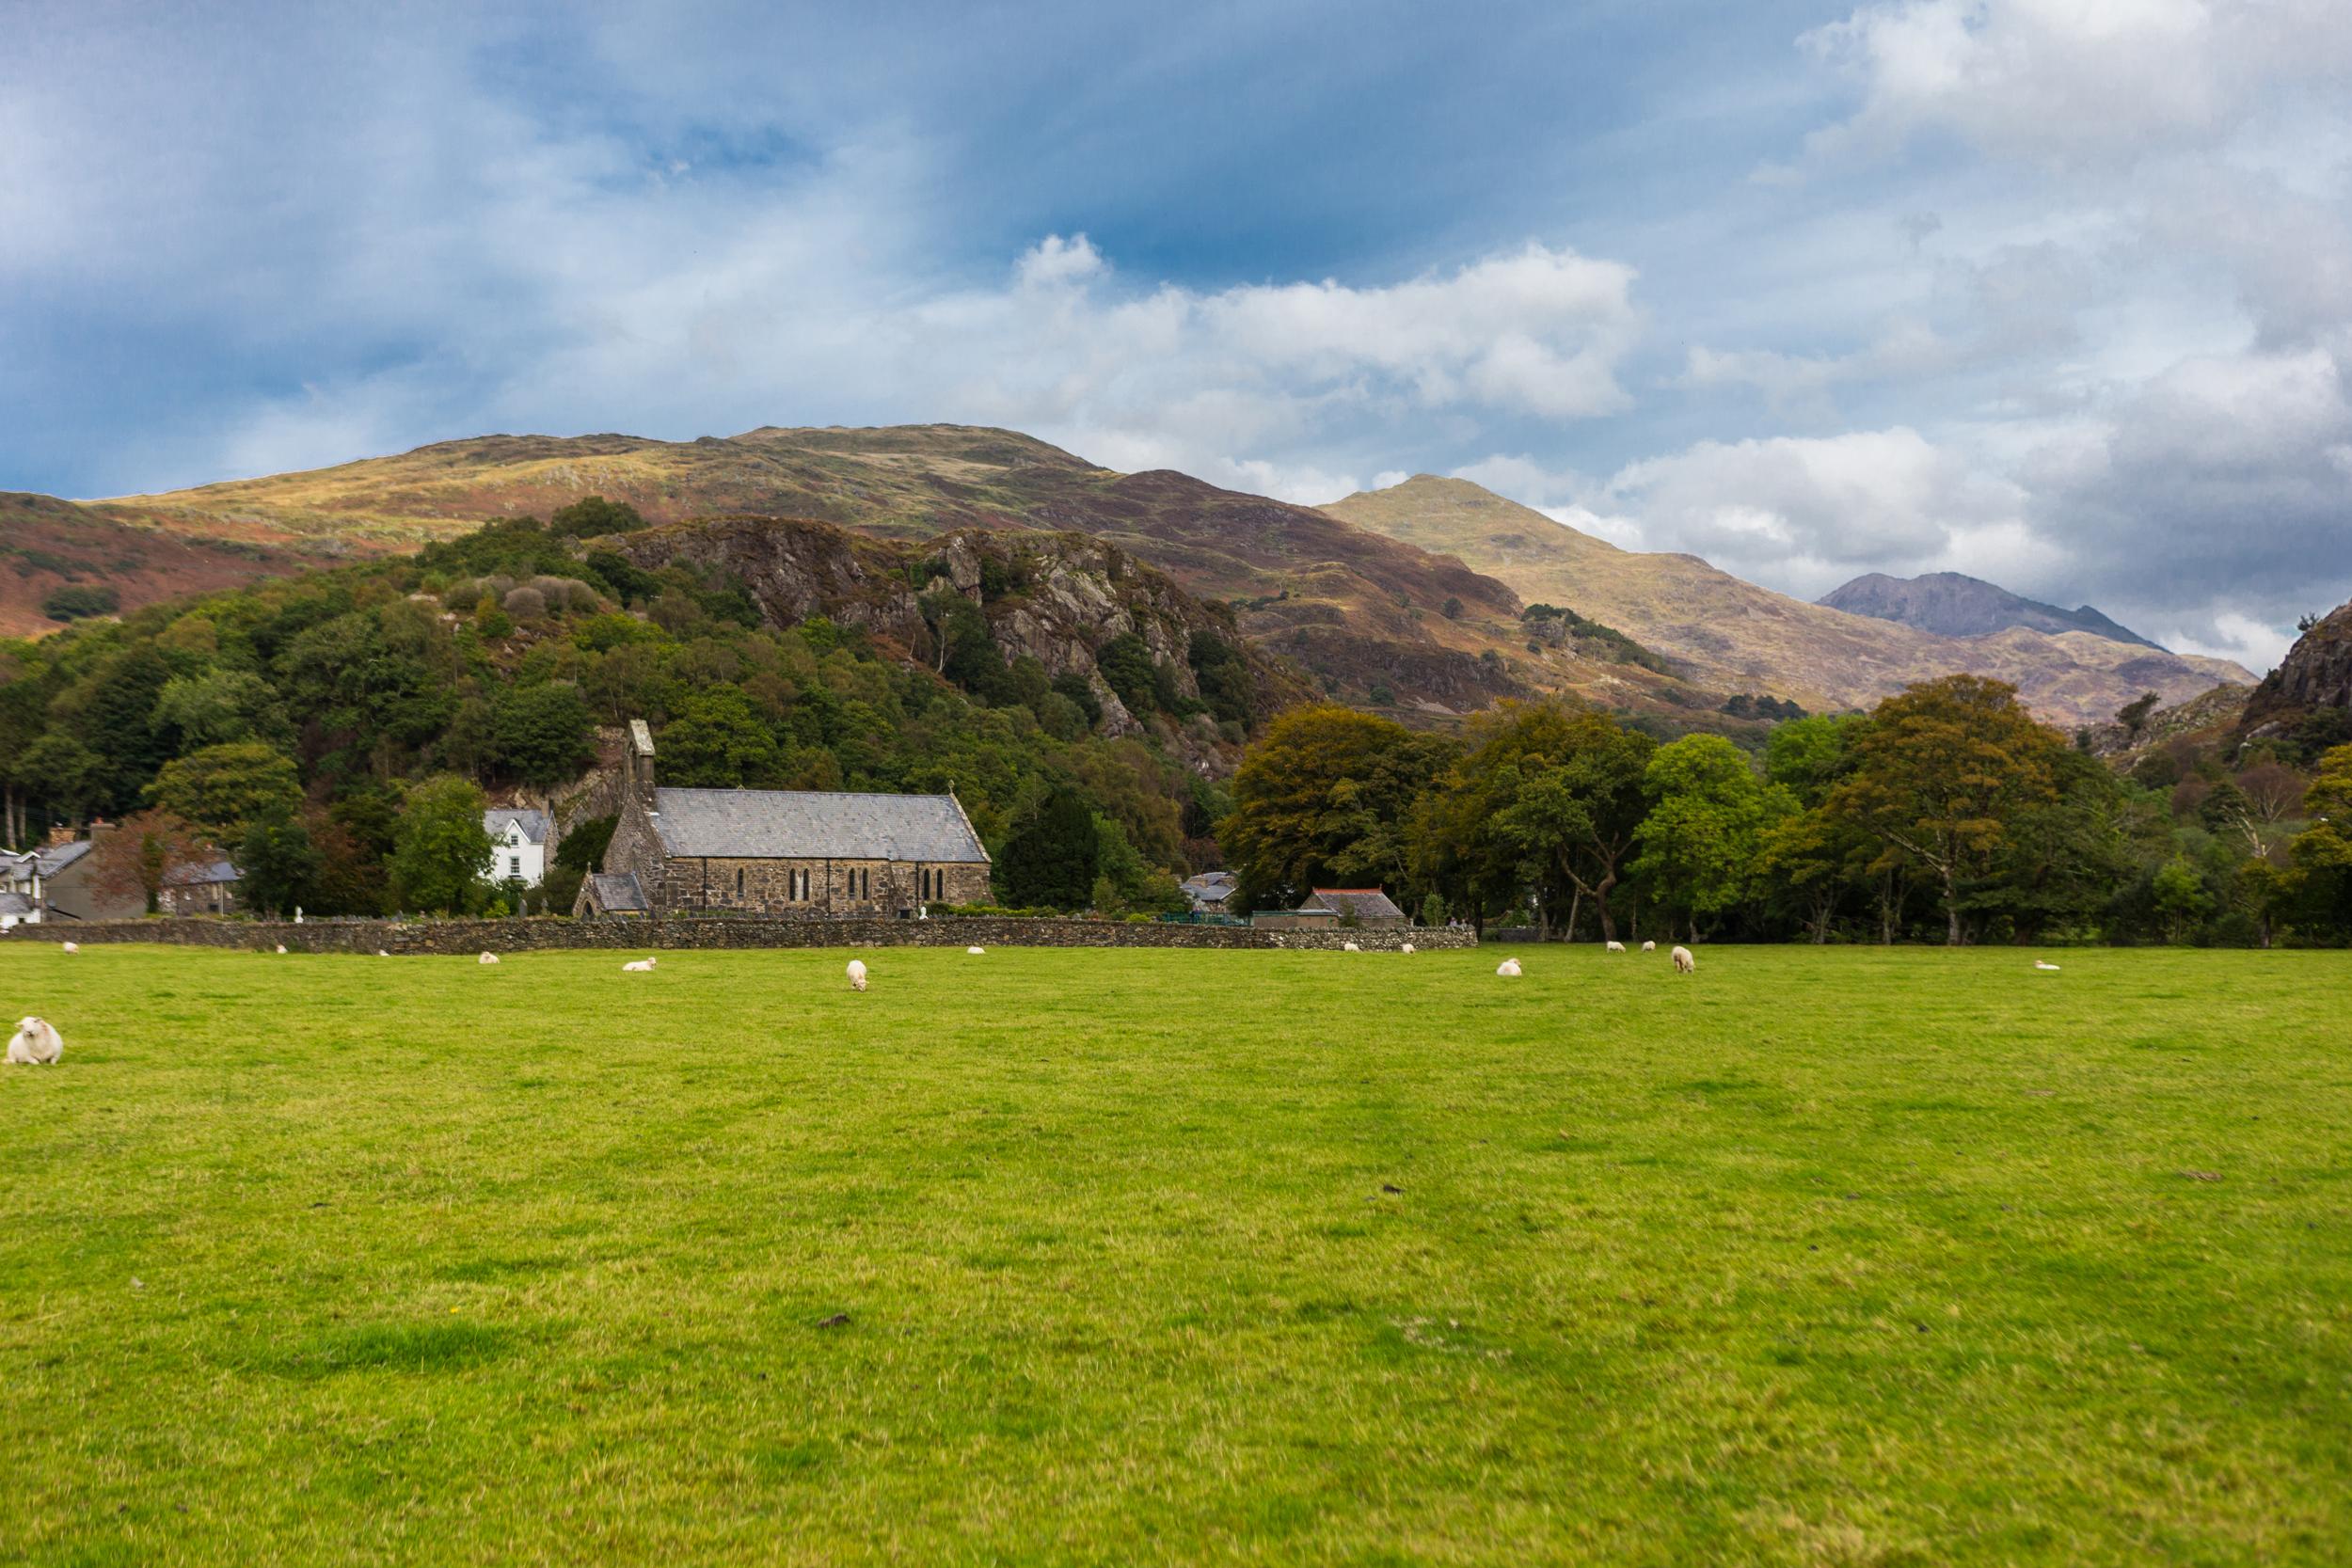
1821 1256
1742 637
47 545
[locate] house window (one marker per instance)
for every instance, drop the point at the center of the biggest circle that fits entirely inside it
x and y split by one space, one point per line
739 881
514 866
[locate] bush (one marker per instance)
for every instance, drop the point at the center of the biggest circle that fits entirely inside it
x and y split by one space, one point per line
75 602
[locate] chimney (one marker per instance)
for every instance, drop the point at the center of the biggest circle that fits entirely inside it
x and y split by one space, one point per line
641 762
59 832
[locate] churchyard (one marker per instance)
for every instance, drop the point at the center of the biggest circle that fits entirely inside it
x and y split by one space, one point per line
1850 1256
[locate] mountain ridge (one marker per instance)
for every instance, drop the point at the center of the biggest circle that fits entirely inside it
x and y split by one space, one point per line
1953 604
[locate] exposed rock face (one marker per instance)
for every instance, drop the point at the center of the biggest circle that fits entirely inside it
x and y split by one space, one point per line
1059 598
2216 711
2316 673
1951 604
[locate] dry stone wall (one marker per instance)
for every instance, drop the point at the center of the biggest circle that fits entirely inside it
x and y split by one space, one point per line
465 937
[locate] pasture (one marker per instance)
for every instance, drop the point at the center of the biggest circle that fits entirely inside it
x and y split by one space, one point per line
1053 1257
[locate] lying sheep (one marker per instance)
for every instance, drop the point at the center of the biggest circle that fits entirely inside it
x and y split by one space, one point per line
857 974
1508 969
1616 947
1684 963
381 953
1349 947
37 1043
486 958
2046 967
71 947
638 966
976 952
1649 947
281 948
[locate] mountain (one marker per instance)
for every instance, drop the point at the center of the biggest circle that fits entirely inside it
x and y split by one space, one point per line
1951 604
61 559
1365 614
1735 636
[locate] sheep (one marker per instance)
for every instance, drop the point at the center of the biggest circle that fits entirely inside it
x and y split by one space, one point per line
1406 949
638 966
857 974
1349 947
1684 963
1649 947
37 1043
281 948
2046 967
71 947
1616 947
381 953
486 958
1508 969
976 952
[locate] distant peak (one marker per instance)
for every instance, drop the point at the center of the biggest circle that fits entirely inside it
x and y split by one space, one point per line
1953 604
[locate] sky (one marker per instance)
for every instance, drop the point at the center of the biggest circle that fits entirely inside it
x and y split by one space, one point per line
2057 293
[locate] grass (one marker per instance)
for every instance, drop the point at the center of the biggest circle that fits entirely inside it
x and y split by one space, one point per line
1844 1257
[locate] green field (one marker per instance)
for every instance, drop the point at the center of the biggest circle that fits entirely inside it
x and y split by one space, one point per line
1822 1256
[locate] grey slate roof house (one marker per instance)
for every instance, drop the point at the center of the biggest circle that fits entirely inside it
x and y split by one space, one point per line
1209 891
781 851
1370 906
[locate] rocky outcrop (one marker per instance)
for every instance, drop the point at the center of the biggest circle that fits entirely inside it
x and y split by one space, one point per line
1952 604
2216 711
2316 673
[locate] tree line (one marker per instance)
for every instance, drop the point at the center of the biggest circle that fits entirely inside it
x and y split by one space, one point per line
1946 813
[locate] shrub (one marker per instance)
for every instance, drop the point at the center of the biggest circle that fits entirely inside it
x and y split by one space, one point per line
76 601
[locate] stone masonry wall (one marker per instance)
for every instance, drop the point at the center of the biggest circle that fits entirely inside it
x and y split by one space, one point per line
462 937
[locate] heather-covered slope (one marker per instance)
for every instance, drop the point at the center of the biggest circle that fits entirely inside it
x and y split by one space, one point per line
1737 636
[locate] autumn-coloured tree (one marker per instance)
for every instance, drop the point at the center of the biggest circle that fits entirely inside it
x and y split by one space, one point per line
1939 771
146 853
1323 801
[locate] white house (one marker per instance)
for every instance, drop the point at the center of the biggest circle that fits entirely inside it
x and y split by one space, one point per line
520 838
20 889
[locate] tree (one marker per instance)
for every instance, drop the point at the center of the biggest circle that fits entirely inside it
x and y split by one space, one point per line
217 705
2181 898
1125 664
1051 861
1939 771
1325 796
592 515
1808 756
1703 838
224 788
279 862
2132 715
544 735
146 853
443 855
61 773
719 741
77 601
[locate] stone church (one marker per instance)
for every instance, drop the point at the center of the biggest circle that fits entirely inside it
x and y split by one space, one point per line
815 853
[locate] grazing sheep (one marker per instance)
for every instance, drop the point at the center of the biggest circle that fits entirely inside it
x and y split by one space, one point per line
486 958
71 947
1406 949
281 948
857 973
1684 963
1508 969
381 953
976 952
638 966
1616 947
37 1043
1649 947
2046 967
1349 947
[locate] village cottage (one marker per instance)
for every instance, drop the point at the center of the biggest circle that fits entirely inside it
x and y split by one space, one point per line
812 853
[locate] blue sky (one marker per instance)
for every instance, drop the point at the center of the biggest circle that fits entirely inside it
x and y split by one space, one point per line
2056 291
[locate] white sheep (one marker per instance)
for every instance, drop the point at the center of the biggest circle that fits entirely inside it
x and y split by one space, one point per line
486 958
381 953
857 973
1349 947
1508 969
1616 947
71 947
1684 963
2046 967
281 948
1649 947
638 966
1406 949
37 1043
976 952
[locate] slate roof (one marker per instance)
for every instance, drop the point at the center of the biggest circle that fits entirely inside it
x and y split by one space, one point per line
58 856
15 903
534 823
615 891
203 875
1364 903
1210 887
795 824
